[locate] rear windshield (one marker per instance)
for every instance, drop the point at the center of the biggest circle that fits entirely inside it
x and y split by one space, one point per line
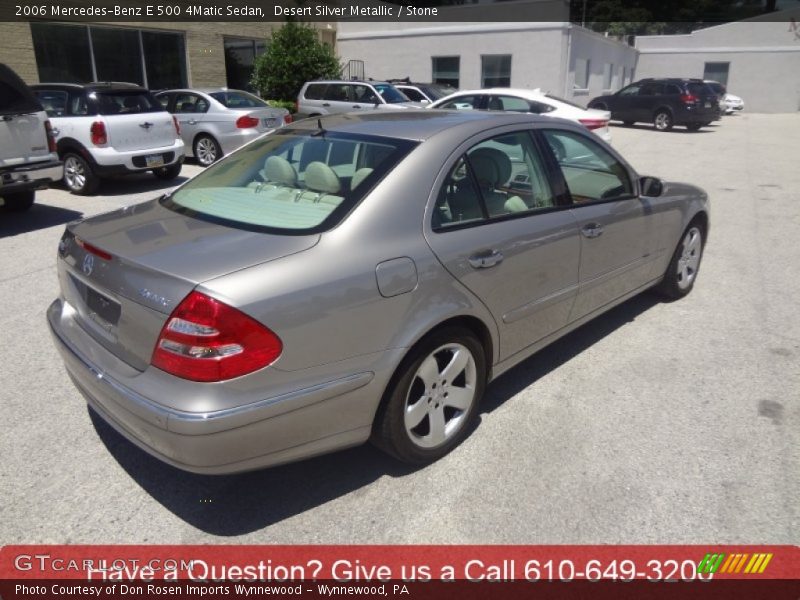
289 182
390 94
126 102
700 89
231 99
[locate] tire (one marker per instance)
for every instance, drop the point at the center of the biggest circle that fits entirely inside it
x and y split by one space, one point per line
694 126
169 172
206 150
79 177
683 268
662 120
428 410
18 202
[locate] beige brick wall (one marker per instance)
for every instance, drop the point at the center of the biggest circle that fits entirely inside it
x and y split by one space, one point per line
205 53
17 50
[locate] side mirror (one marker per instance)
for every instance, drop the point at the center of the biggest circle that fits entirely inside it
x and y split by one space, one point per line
651 186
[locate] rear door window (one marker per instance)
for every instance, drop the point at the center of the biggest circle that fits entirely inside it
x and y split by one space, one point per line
470 102
54 102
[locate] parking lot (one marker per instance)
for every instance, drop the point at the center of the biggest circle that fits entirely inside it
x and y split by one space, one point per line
656 423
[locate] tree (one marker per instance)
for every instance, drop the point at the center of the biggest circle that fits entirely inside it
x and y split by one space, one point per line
294 55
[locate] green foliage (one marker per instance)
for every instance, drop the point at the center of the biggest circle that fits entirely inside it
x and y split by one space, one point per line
294 55
287 104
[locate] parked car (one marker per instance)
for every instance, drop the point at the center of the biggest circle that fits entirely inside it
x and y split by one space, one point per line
528 101
663 102
105 129
424 93
358 277
317 98
728 102
215 122
28 159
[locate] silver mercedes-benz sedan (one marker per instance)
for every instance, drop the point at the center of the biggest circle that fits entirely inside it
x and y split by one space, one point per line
358 277
216 121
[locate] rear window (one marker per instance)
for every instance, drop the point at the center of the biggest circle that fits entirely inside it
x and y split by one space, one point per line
238 100
54 102
699 89
290 182
124 102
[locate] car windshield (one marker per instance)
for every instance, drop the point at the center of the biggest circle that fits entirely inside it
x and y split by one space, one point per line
390 94
126 102
236 99
291 182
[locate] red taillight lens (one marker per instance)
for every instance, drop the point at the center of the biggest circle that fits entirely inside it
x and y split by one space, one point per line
287 118
688 98
246 122
593 123
51 138
91 248
98 132
207 340
177 126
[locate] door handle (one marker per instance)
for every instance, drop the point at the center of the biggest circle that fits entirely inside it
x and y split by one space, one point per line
55 131
326 104
356 106
191 122
592 230
486 259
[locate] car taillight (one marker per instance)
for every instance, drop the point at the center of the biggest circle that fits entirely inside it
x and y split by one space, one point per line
92 249
51 138
207 340
593 123
177 127
246 122
98 132
287 118
689 98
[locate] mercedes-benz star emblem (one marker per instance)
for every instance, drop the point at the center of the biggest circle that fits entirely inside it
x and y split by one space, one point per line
88 264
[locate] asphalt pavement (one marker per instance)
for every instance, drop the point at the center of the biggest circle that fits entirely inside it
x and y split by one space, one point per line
659 422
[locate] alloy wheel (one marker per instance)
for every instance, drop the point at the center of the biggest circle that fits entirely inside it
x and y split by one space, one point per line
689 261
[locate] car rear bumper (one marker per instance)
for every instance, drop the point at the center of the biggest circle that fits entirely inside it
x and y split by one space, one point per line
31 176
110 161
236 139
279 429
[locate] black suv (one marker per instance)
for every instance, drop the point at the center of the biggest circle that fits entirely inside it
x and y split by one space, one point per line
663 102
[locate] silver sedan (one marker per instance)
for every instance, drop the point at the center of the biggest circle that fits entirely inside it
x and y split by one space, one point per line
216 121
358 277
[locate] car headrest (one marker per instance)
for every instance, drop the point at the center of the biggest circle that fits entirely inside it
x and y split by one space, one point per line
485 170
321 178
501 162
279 170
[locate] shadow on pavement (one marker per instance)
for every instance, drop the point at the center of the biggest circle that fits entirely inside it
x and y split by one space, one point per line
231 505
676 129
39 216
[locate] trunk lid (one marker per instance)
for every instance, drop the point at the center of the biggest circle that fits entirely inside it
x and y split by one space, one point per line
140 131
157 258
268 118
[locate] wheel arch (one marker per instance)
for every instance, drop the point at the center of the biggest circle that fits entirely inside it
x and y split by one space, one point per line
665 108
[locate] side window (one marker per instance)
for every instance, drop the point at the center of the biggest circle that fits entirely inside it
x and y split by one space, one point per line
163 100
592 173
498 177
673 90
541 108
78 105
187 103
315 91
413 95
201 105
631 90
462 103
364 94
337 93
509 103
54 102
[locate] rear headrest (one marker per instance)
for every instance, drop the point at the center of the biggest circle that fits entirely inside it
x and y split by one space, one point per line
277 169
321 178
501 162
485 171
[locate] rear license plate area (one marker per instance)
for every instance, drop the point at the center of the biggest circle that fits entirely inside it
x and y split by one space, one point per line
270 122
154 160
102 306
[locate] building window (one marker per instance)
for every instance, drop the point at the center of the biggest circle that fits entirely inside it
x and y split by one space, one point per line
582 66
446 70
608 76
496 70
240 56
80 54
717 71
